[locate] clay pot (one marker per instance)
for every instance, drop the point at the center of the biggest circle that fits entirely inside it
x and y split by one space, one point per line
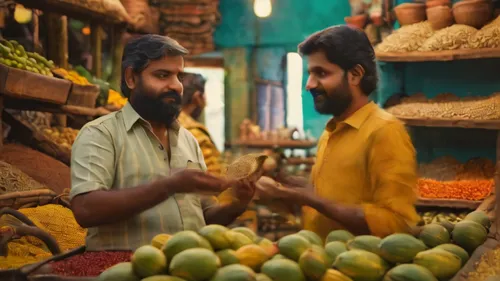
410 13
358 21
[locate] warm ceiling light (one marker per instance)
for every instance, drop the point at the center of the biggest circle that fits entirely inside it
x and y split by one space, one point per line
262 8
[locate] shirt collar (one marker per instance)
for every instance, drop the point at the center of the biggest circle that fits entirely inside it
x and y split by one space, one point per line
355 120
130 117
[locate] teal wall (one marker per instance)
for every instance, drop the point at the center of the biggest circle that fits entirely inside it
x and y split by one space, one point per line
290 23
293 20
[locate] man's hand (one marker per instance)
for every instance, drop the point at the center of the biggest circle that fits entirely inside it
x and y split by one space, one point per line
269 189
294 181
244 191
196 181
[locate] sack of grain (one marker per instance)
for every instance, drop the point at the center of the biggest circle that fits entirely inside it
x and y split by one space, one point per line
114 7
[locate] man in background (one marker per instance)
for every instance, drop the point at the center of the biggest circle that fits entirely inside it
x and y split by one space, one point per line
193 103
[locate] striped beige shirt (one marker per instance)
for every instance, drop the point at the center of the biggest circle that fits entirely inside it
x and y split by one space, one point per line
119 151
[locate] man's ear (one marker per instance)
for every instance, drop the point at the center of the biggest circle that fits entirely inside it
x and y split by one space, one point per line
197 98
355 75
130 78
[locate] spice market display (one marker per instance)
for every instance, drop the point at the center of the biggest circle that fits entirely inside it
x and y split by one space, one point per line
466 30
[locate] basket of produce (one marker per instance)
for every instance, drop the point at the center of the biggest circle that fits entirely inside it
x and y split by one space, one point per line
54 141
82 93
22 73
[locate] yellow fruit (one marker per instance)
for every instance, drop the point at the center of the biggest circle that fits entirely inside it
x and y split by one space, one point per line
252 256
160 240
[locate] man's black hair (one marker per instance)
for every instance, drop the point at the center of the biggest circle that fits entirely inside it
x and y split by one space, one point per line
346 47
192 82
139 52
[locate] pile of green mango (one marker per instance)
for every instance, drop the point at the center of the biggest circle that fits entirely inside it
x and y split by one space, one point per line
13 54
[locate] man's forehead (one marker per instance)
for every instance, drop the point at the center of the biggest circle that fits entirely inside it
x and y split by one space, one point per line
170 63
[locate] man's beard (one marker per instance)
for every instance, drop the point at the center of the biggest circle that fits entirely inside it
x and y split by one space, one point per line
334 103
154 108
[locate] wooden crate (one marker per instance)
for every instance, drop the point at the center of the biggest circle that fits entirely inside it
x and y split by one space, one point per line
83 95
23 84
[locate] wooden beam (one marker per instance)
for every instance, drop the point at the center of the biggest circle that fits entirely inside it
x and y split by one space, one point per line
1 124
118 44
96 49
57 46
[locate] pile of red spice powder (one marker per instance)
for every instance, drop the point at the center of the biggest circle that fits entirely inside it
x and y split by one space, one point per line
90 264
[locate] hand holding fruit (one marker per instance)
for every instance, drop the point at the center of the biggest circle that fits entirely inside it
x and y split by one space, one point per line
244 191
196 181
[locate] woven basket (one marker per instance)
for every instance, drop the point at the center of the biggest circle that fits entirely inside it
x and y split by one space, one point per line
27 199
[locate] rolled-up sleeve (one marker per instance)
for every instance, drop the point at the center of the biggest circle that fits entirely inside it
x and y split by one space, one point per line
393 176
92 161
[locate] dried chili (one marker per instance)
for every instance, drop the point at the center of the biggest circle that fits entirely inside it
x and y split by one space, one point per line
90 263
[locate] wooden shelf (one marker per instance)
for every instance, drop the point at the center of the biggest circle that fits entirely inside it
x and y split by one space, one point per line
448 203
73 11
27 85
451 123
462 54
300 160
32 105
290 144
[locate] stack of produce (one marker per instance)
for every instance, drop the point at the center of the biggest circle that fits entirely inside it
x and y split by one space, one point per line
191 23
473 190
13 54
116 99
63 136
217 253
449 38
406 39
72 76
480 108
437 217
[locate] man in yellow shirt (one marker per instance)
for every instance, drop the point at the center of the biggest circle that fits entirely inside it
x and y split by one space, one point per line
193 103
365 171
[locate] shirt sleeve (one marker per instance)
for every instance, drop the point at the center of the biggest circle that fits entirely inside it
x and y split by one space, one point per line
393 170
92 161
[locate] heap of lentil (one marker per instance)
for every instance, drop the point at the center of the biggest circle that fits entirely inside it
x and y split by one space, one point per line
90 264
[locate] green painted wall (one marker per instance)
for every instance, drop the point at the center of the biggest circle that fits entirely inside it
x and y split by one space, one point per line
290 23
293 20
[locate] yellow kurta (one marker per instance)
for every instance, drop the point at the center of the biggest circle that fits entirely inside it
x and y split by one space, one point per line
367 160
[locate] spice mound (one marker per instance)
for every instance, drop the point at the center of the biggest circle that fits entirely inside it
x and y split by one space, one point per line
12 179
90 264
463 189
449 38
480 108
407 39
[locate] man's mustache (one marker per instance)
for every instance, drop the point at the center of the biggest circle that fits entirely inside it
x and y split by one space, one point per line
317 92
172 95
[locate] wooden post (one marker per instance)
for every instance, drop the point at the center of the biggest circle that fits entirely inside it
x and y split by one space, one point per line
117 45
57 42
57 49
1 125
96 49
496 223
36 30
